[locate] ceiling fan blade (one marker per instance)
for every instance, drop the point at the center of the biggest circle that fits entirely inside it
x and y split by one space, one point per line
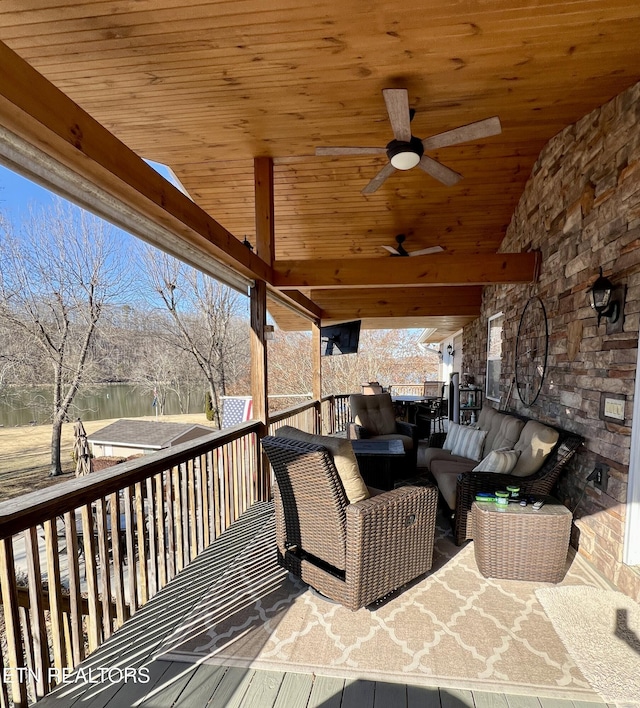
391 250
350 151
377 181
465 133
440 172
427 251
397 101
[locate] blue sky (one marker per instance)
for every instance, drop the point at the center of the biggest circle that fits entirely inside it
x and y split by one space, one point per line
17 193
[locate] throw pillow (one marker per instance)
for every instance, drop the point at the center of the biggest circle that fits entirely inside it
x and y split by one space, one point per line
467 442
452 436
499 461
343 458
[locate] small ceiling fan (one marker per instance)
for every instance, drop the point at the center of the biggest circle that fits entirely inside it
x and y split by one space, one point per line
400 249
406 151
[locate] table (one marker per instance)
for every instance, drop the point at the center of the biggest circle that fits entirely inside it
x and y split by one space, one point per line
519 543
380 461
409 402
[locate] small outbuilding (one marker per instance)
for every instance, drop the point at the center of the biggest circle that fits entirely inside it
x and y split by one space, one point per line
125 438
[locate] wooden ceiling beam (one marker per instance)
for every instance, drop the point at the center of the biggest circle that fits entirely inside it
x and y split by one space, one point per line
35 110
398 302
437 269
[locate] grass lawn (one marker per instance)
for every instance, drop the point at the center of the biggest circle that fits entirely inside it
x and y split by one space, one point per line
25 453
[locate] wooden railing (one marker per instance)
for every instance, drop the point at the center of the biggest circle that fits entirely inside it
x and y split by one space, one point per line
406 389
95 549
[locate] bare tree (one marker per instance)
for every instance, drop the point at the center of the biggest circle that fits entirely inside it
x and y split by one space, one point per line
56 275
204 320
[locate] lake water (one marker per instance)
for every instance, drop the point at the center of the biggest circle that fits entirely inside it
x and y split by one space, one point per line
33 405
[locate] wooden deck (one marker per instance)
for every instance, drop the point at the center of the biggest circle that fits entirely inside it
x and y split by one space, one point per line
185 686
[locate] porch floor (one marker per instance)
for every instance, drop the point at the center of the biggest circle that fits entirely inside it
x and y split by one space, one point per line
186 685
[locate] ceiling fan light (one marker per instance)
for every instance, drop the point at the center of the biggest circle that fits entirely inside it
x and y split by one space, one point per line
405 155
405 160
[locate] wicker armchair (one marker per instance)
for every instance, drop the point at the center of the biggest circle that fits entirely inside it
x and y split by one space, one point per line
375 420
539 484
352 553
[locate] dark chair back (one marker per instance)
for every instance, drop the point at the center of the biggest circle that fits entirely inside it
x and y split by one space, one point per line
310 500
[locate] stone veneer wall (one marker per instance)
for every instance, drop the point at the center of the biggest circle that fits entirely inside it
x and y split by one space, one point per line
581 209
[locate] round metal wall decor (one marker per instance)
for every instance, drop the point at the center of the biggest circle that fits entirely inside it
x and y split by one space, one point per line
532 345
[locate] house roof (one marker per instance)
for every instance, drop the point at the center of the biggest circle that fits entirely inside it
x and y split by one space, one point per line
144 433
206 88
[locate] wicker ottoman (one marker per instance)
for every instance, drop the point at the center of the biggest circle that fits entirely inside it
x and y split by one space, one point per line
519 543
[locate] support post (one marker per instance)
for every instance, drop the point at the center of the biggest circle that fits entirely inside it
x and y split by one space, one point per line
264 216
259 380
316 373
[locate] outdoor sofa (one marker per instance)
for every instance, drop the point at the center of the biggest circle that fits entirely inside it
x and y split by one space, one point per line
506 449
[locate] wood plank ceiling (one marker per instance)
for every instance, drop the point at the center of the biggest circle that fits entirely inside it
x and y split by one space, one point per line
205 87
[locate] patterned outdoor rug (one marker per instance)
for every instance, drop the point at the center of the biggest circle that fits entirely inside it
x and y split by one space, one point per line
450 628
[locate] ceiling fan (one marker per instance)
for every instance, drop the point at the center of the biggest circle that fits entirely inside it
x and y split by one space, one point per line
400 250
406 151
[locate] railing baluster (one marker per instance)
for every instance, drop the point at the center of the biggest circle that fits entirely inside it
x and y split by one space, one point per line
25 622
227 479
177 501
191 511
204 502
218 506
116 550
55 593
152 535
89 542
105 565
160 521
171 543
75 597
12 621
40 656
132 573
141 534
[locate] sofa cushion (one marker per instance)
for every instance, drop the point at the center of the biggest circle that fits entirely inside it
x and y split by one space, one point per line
535 443
499 461
426 455
343 458
492 432
374 413
486 416
465 441
507 435
446 474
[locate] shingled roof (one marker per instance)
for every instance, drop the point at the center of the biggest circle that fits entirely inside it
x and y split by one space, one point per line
147 434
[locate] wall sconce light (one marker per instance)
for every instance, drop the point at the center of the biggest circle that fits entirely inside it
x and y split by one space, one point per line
451 351
440 354
601 300
269 332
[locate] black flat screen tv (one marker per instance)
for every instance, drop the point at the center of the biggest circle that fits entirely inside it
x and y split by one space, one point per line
340 339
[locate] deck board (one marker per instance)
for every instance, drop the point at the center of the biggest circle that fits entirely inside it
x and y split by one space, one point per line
180 685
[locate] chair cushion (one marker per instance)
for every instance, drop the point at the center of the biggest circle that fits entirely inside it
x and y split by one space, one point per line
535 443
374 413
465 441
343 458
500 461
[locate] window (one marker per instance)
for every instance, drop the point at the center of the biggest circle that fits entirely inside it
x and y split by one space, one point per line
494 356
